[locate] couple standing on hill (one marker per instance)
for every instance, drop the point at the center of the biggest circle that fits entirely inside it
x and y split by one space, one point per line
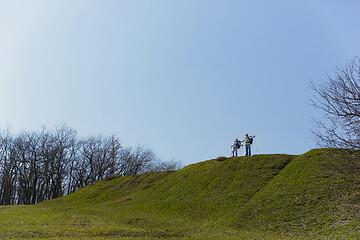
237 144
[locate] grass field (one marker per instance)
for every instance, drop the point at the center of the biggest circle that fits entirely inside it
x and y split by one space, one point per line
312 196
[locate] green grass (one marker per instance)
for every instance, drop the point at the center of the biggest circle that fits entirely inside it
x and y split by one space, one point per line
312 196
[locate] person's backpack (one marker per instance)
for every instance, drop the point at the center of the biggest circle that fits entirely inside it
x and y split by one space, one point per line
237 145
251 140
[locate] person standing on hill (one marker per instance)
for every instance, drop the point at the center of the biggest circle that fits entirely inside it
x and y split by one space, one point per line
248 141
235 147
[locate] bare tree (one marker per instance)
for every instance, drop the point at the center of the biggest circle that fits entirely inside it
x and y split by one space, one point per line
63 141
8 173
57 151
25 160
339 100
135 161
99 159
165 166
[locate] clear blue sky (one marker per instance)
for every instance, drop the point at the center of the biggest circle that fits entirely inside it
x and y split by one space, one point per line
182 77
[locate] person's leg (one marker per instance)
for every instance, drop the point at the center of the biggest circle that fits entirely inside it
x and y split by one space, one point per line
233 151
247 150
236 150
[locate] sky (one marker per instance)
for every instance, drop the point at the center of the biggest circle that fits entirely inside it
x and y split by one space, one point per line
181 77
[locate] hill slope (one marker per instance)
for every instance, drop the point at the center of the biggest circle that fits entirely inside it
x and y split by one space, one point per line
314 194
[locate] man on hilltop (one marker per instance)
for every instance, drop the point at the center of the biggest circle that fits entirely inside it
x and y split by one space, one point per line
248 141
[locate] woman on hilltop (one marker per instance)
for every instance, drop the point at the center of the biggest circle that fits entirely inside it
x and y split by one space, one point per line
235 147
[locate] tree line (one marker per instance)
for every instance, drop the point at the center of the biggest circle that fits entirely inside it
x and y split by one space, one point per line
47 164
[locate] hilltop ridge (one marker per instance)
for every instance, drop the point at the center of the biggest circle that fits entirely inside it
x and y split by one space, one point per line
310 194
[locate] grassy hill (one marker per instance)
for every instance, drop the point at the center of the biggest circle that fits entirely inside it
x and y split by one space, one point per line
314 195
